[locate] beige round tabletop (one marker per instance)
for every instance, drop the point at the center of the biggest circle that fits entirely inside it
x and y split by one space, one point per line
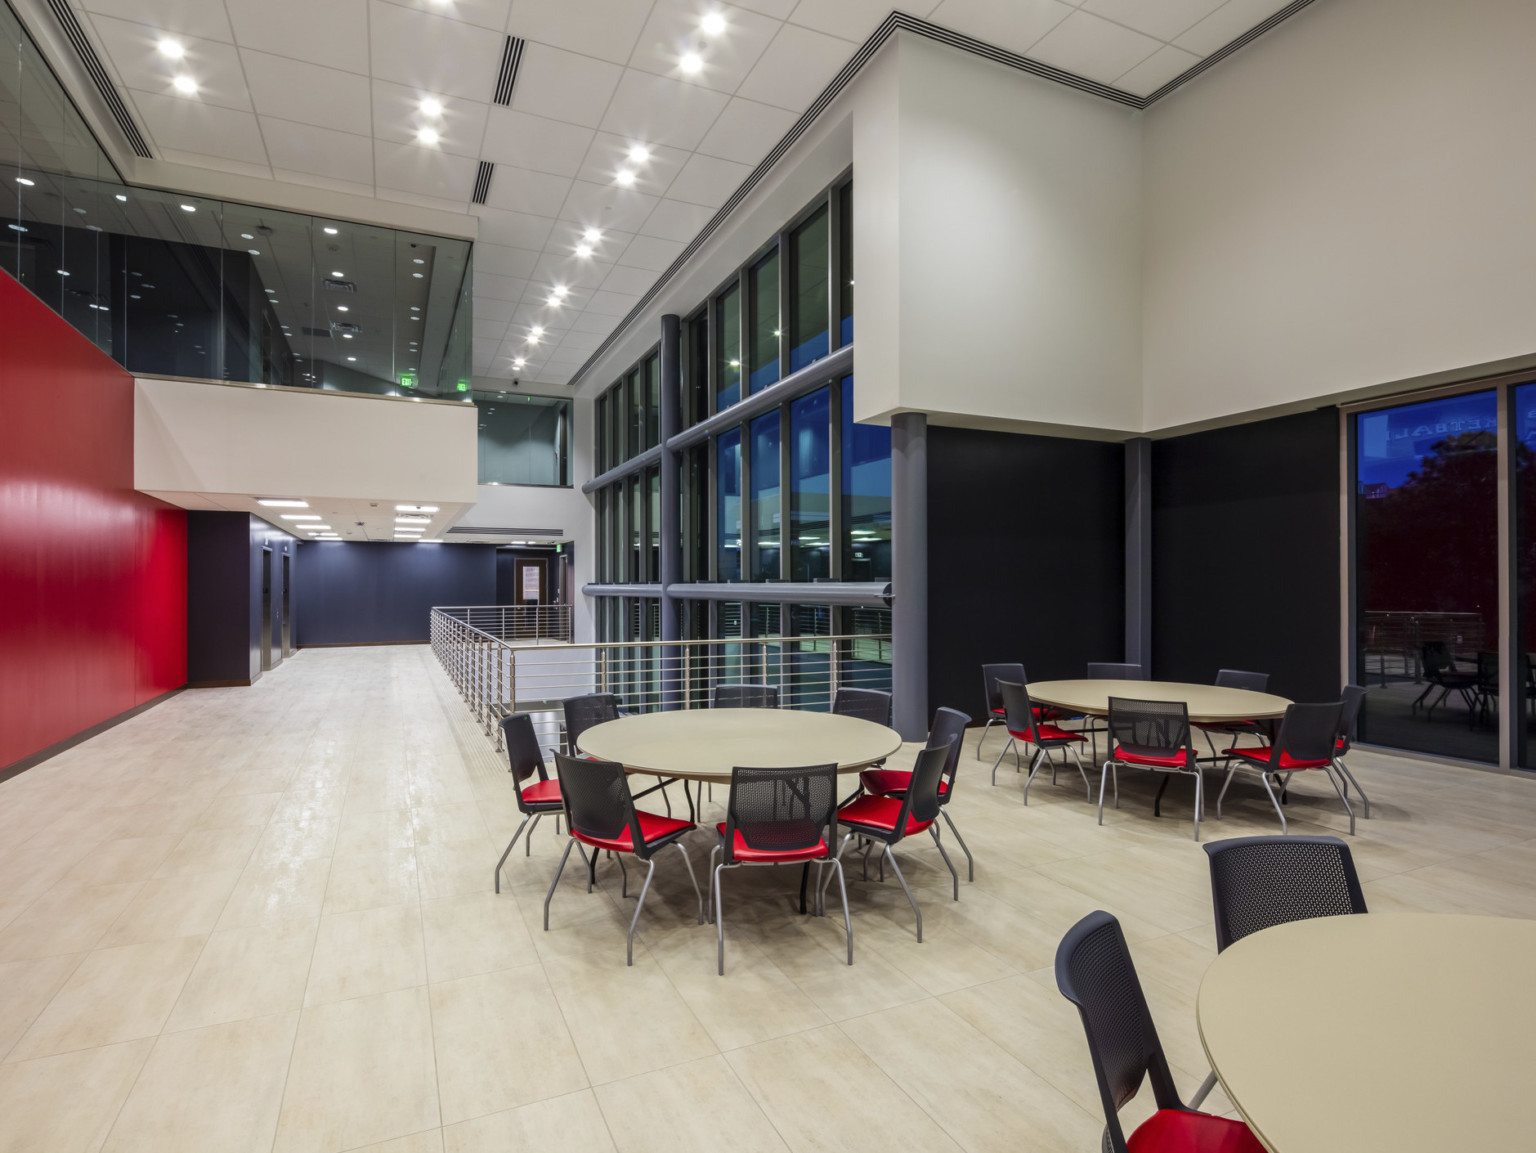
1208 704
705 744
1400 1032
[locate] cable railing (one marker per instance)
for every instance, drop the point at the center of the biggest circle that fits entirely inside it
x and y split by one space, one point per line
498 677
517 622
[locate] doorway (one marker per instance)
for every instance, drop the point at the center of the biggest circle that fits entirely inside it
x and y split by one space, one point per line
287 606
266 609
531 583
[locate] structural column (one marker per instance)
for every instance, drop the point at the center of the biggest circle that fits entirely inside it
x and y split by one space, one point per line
909 574
1138 552
671 537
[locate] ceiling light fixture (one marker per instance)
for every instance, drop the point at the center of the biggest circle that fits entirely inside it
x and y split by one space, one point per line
584 250
300 516
560 290
519 362
189 208
350 358
317 528
185 85
252 252
283 503
413 520
713 24
247 236
415 508
592 235
175 49
624 178
639 153
691 64
427 136
344 308
338 274
431 106
121 197
24 180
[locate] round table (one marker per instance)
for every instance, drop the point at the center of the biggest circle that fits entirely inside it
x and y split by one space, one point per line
1208 704
705 744
1382 1031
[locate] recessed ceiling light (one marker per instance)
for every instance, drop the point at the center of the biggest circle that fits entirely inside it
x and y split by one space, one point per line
283 503
713 24
351 358
691 64
560 290
415 308
519 362
246 236
427 135
592 235
584 250
24 180
639 153
185 85
552 300
418 260
624 178
16 227
344 308
413 520
431 106
415 508
175 49
316 527
63 272
536 330
300 516
123 198
252 252
417 275
338 274
189 208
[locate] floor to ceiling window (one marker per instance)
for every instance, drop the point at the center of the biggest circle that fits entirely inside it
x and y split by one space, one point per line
764 471
728 509
809 317
728 348
810 464
1524 489
866 495
763 283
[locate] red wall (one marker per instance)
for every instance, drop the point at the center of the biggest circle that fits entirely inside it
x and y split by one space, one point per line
93 575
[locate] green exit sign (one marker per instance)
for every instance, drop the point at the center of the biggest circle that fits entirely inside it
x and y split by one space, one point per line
463 386
407 381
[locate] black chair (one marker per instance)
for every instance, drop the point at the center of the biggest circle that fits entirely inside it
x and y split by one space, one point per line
1151 735
744 697
1307 739
1095 972
1023 725
948 725
538 799
582 713
1439 665
778 817
889 820
1349 719
866 704
990 676
1235 679
601 814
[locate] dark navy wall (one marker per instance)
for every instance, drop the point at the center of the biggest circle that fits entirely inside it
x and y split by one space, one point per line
262 537
372 593
224 551
506 573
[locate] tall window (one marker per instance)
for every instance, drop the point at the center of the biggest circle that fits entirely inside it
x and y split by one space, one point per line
866 480
696 379
808 288
728 348
765 497
634 404
845 252
651 374
810 486
764 285
728 510
1427 532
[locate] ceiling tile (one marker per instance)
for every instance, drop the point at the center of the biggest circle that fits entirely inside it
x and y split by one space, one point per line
1087 46
324 151
1164 20
490 14
1226 24
534 142
584 343
854 19
606 206
493 287
425 171
674 220
651 253
554 268
185 17
612 303
673 30
795 68
215 163
607 29
308 93
1156 70
512 229
489 311
609 154
315 181
463 60
597 322
662 111
518 190
140 65
503 261
564 86
397 116
332 33
706 180
192 126
631 280
778 9
746 130
1014 26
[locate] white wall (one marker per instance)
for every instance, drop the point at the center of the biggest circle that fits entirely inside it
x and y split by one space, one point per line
1346 202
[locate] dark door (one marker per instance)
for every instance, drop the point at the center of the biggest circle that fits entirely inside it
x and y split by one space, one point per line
532 583
287 606
266 609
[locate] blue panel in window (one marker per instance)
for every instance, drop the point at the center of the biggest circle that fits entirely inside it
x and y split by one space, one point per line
813 349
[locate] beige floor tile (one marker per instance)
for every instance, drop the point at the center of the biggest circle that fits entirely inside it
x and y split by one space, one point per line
67 1103
375 831
238 811
180 905
269 892
696 1107
482 1026
247 973
69 918
299 839
570 1122
430 1141
371 880
367 952
476 933
447 824
26 987
362 1072
210 849
125 859
114 995
218 1087
456 868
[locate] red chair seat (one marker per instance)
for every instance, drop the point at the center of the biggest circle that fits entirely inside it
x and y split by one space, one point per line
1177 1131
542 793
1151 761
741 851
1259 756
1046 733
653 827
879 814
887 782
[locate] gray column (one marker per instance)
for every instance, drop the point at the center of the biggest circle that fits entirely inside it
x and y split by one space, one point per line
671 537
1138 552
909 573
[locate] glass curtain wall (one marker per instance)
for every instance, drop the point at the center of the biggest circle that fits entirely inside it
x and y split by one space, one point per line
866 495
809 315
764 471
524 439
810 524
728 508
763 323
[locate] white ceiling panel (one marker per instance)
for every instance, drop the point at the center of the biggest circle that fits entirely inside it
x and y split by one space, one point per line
492 287
673 31
584 343
504 261
352 188
606 29
398 116
674 220
1093 47
630 280
492 311
746 130
606 206
295 90
185 17
651 253
139 64
853 19
512 229
1156 70
778 9
518 190
216 163
609 155
422 170
323 151
708 181
570 271
612 303
333 33
191 126
432 53
535 142
1166 20
1015 26
1226 24
795 68
661 110
564 86
490 14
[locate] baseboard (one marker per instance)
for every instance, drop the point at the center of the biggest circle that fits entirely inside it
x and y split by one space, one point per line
15 768
237 684
356 644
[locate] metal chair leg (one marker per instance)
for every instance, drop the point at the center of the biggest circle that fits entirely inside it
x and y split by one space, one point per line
970 860
1328 772
1350 777
1033 769
1087 784
1221 796
1010 745
556 881
719 923
709 909
508 853
1274 800
984 730
826 881
905 889
688 864
629 943
934 832
1199 800
1204 1091
842 886
1103 780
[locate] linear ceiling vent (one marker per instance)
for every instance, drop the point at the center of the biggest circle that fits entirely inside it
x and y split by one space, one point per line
511 57
490 530
483 181
93 67
338 285
343 326
325 332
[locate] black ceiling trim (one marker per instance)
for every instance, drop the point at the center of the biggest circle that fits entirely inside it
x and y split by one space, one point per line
900 21
98 74
483 182
511 57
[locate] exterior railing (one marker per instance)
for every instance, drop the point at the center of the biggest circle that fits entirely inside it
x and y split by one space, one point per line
517 622
498 677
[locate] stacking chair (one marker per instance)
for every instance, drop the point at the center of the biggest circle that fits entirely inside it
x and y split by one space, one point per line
990 676
582 713
1308 739
601 814
538 799
744 697
889 820
866 704
1095 972
1152 735
1024 726
948 725
1108 671
1231 730
1441 672
778 817
1354 698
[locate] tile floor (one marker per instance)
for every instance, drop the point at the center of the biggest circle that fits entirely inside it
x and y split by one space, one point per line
262 919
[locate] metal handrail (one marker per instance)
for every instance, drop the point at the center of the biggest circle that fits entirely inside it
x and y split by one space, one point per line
517 622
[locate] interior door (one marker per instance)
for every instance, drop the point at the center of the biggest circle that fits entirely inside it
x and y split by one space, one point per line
266 609
287 605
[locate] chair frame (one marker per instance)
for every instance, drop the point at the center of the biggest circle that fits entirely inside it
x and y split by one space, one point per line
955 722
994 699
1354 698
531 810
1031 734
1190 767
1235 679
1279 748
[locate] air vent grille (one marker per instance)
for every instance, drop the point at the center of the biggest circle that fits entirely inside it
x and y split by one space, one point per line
98 74
339 285
325 332
483 181
343 326
511 57
497 530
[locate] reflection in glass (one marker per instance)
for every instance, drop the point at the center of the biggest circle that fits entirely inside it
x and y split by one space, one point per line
810 465
808 287
845 256
728 506
728 348
1426 509
653 551
636 521
866 540
765 497
634 403
651 372
523 439
1525 571
764 281
696 386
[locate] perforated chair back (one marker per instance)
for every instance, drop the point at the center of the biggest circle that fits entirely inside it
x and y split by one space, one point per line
744 697
1095 972
581 713
1349 718
523 752
780 810
1257 882
597 799
948 731
866 704
922 798
991 674
1151 728
1104 671
1308 733
1018 710
1241 679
